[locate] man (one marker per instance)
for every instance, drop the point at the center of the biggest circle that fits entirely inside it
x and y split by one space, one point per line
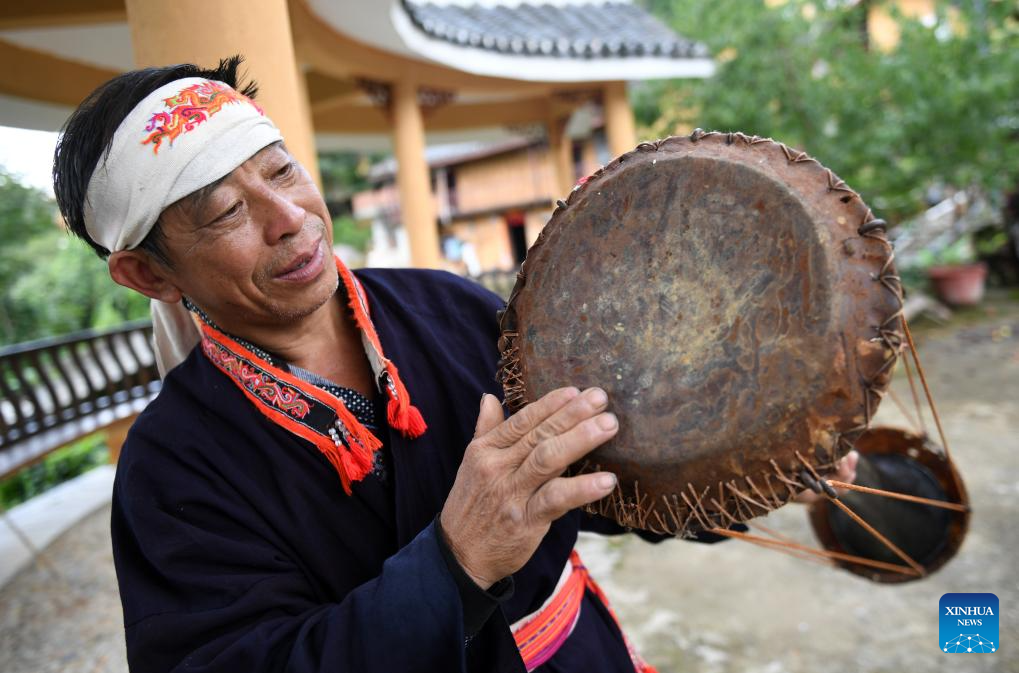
313 488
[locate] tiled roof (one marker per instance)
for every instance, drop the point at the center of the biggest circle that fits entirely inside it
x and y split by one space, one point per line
591 30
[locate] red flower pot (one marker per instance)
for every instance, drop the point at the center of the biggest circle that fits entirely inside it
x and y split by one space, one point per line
961 285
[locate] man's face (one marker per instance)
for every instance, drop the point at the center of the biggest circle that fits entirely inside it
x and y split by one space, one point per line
254 250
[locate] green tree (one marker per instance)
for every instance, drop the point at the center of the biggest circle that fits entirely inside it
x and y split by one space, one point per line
51 283
345 172
941 108
25 212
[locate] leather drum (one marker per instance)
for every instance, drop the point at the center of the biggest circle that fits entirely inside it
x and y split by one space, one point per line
738 303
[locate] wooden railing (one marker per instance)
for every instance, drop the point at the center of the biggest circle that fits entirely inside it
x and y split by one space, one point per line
54 391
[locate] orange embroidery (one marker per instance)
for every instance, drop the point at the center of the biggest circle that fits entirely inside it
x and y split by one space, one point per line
189 108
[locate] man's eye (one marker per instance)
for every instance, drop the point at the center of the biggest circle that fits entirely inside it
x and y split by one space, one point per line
232 210
285 170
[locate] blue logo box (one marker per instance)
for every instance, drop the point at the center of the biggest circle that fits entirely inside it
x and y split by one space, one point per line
968 623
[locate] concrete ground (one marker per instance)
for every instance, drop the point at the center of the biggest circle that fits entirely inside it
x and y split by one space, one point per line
63 615
712 609
35 524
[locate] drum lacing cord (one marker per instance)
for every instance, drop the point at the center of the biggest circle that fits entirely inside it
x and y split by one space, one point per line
783 544
512 379
816 481
926 388
916 398
798 550
904 411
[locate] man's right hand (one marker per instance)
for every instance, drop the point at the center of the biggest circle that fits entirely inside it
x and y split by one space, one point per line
509 488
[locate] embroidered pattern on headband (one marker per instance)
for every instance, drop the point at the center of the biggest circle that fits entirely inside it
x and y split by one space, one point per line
189 108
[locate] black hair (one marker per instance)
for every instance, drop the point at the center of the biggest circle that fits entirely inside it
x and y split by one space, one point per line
88 134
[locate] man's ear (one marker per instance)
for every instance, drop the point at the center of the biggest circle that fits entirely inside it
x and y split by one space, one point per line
138 271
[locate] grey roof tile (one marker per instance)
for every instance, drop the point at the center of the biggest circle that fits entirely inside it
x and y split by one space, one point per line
597 29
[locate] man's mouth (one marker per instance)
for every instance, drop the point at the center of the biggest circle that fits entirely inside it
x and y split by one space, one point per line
304 266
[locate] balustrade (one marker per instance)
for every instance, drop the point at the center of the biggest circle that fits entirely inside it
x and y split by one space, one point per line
53 391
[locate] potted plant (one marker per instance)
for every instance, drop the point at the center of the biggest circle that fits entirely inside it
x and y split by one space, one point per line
955 274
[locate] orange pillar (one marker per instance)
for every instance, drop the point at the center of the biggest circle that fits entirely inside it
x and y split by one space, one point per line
204 31
417 207
620 129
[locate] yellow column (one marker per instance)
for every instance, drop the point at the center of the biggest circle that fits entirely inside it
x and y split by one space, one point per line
417 208
204 31
560 150
620 128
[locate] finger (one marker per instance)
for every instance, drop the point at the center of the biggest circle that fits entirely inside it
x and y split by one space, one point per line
847 469
489 416
514 428
849 464
558 496
582 407
807 497
553 455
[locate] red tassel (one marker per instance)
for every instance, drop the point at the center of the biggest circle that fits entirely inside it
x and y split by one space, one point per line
416 425
356 469
353 460
402 415
406 418
336 459
356 462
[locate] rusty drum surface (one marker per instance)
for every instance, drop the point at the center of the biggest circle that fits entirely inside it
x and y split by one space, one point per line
738 303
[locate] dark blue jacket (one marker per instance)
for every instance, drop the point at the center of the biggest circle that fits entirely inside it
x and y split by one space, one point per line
238 551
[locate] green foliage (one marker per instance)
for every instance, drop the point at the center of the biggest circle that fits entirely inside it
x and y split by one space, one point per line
939 109
990 242
345 172
56 468
24 213
355 233
961 251
50 283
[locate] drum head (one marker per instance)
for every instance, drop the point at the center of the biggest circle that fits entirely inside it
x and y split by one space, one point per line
734 299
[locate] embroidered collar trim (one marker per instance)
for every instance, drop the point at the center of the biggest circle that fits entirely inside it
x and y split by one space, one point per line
309 411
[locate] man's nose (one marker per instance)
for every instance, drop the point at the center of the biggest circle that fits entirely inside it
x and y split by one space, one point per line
282 217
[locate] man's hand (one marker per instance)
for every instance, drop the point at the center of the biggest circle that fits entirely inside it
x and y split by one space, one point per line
846 472
509 488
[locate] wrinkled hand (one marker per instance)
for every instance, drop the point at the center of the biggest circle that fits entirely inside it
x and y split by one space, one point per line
509 487
846 472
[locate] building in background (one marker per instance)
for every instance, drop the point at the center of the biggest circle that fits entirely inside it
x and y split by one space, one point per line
491 199
385 75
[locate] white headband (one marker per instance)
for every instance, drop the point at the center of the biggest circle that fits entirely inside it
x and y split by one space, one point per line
181 137
178 139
